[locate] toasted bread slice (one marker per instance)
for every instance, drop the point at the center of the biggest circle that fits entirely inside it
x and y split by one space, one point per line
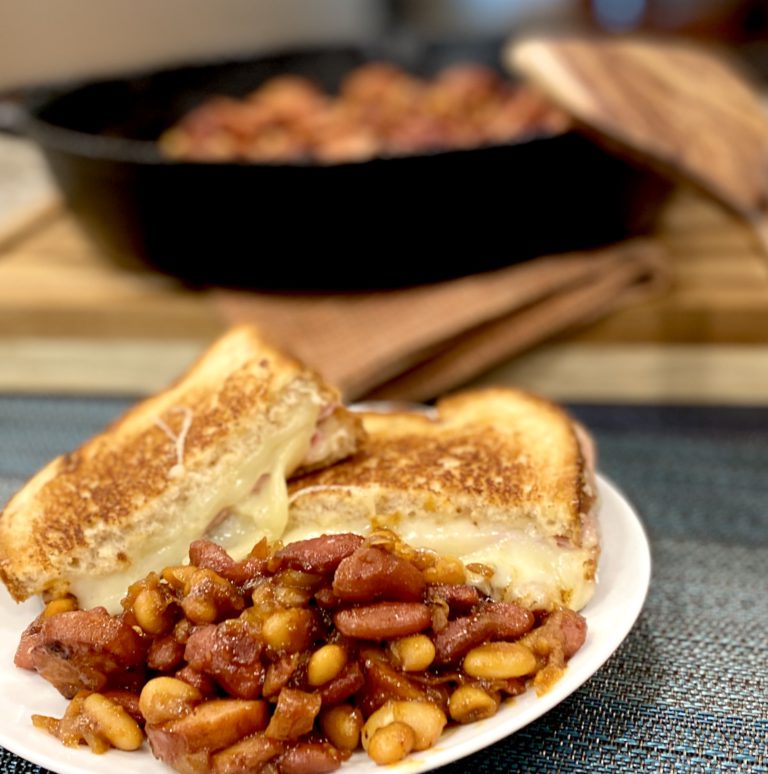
498 477
210 455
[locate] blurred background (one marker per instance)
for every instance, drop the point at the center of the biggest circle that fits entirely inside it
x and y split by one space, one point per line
687 319
43 41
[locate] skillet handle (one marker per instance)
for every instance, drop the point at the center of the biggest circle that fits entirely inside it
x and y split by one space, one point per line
12 116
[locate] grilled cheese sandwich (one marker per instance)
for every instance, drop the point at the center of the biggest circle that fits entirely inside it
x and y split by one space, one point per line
208 457
498 478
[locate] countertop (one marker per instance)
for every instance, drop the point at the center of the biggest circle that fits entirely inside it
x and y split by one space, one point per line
71 321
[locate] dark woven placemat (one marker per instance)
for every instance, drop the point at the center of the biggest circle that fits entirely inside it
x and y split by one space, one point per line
688 689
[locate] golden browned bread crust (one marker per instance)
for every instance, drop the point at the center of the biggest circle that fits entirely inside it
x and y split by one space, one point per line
497 477
493 454
86 511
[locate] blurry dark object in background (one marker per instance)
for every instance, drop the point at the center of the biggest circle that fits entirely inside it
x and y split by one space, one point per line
739 25
720 20
380 223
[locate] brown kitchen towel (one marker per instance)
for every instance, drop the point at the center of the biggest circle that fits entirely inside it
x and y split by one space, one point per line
417 343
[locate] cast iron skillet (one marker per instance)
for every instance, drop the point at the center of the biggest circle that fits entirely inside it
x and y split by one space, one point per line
382 223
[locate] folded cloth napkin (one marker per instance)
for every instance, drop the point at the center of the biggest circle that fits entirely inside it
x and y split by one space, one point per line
419 342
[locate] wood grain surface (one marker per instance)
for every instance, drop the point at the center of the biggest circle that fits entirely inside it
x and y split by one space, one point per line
56 283
687 110
71 321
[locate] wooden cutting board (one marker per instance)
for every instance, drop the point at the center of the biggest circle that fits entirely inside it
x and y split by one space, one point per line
70 321
55 283
686 110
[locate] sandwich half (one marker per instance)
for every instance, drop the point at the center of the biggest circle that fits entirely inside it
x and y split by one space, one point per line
497 477
209 456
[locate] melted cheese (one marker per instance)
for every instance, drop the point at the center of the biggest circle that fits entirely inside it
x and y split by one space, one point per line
248 503
536 572
527 568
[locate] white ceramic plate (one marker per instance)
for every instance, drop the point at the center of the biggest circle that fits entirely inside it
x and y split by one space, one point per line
624 575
